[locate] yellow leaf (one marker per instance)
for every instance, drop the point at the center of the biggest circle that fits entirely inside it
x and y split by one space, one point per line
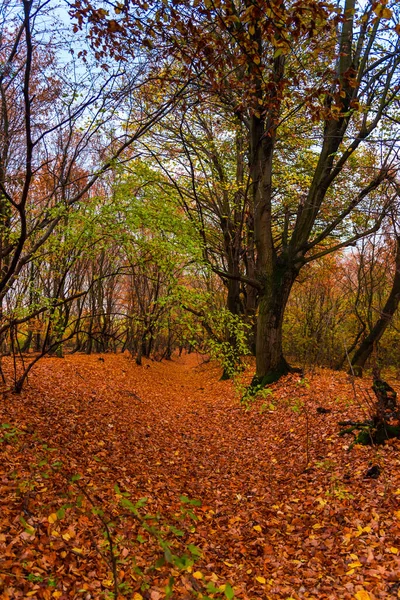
387 13
66 536
57 594
317 526
137 596
52 518
107 582
198 575
257 528
361 530
77 550
354 556
257 59
350 572
261 579
394 550
367 529
354 565
252 30
362 595
228 563
30 594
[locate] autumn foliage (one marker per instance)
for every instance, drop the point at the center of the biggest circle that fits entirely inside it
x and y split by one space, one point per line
199 261
260 503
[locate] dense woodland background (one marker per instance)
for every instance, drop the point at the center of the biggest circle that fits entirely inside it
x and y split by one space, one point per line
212 176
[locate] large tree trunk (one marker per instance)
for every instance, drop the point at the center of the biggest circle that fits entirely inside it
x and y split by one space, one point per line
366 347
270 362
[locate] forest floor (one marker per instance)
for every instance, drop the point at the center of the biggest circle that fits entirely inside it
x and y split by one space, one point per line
286 510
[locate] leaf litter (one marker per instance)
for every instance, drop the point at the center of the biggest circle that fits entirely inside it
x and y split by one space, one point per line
200 497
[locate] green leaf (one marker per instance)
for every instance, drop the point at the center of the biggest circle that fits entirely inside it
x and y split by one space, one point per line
194 550
169 588
141 502
211 588
229 593
168 555
176 531
61 513
160 562
96 510
28 528
182 562
192 502
128 504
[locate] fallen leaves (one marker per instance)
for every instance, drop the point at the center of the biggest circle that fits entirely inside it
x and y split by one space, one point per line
362 595
52 518
269 526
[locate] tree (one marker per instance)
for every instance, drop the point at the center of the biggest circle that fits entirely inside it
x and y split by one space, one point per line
284 68
367 345
202 156
60 131
65 121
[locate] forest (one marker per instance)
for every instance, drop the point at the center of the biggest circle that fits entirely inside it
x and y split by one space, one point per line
199 292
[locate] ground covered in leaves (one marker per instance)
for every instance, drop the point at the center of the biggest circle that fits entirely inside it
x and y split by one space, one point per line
153 482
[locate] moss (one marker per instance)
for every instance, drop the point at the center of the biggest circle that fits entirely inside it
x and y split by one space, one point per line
364 438
377 435
386 432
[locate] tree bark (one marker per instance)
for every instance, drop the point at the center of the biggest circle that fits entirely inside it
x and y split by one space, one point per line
270 362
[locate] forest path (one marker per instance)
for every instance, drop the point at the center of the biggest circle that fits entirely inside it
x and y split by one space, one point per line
267 525
173 420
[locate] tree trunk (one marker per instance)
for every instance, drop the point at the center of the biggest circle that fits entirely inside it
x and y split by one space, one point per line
233 300
366 347
270 362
